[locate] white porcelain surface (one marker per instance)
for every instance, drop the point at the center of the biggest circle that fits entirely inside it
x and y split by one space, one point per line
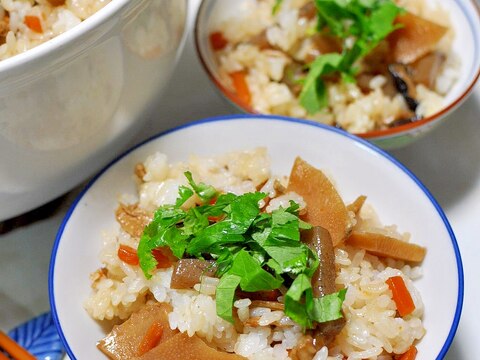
356 167
464 17
69 105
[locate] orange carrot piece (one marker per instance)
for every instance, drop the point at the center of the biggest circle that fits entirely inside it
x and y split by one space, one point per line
215 218
33 23
411 354
151 339
401 295
164 257
241 86
128 255
218 41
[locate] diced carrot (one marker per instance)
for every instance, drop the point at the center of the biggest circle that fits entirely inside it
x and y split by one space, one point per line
241 86
401 295
164 257
33 23
411 354
218 41
128 255
214 218
151 338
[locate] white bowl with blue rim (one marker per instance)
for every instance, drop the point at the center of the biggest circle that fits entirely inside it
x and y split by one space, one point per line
69 105
464 18
357 167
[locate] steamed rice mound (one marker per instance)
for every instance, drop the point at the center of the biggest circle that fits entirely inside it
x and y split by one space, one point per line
372 326
19 33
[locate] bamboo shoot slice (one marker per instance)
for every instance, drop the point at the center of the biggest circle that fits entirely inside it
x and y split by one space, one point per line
181 347
415 39
325 207
386 246
357 205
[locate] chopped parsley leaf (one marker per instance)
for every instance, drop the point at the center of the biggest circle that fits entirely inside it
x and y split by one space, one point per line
253 250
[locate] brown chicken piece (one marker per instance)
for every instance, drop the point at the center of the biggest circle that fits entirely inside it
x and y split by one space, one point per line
132 219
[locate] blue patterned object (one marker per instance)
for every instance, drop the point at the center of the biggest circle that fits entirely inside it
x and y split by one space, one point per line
39 336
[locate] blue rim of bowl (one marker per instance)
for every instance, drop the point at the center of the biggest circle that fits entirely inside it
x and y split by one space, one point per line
374 134
370 146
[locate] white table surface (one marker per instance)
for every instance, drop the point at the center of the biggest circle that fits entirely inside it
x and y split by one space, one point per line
447 161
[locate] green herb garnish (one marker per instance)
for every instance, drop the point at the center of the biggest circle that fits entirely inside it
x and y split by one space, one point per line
361 25
253 250
276 6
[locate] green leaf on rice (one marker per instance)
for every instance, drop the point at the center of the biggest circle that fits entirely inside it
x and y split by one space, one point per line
303 308
328 307
253 250
225 295
361 25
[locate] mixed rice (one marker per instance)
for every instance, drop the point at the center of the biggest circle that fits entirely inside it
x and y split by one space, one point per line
268 47
25 24
373 329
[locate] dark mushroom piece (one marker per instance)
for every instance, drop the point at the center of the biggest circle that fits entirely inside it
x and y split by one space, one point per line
404 84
